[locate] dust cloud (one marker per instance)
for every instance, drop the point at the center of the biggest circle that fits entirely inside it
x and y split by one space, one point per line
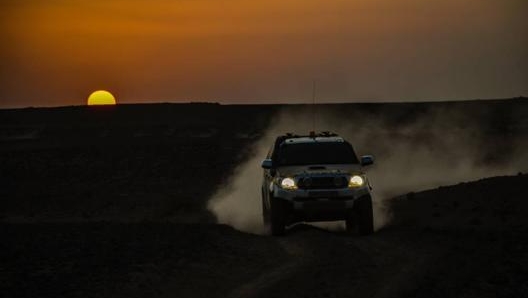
413 151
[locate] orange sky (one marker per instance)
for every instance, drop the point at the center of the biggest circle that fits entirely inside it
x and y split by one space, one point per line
56 52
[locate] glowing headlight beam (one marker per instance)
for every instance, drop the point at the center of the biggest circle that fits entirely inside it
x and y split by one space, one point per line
288 183
355 181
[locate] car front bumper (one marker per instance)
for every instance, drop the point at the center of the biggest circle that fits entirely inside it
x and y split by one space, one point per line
321 204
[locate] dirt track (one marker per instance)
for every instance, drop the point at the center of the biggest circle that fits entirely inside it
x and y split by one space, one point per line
168 260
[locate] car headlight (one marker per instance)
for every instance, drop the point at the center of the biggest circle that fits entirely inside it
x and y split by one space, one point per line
356 181
288 183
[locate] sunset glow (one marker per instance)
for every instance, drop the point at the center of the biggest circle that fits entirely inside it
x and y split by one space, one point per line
263 51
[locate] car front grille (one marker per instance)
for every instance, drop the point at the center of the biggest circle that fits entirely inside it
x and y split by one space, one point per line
327 182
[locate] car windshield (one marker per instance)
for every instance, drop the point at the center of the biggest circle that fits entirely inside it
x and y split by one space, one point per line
316 153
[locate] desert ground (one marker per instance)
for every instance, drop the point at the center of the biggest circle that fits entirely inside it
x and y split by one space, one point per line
157 201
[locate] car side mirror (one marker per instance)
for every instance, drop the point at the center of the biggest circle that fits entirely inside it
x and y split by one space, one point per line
267 164
367 160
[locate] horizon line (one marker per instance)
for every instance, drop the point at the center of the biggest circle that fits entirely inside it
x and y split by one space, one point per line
361 101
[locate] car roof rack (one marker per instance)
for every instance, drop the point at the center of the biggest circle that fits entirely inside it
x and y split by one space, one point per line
328 134
289 135
312 134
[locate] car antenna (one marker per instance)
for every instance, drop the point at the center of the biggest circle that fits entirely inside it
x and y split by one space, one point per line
313 106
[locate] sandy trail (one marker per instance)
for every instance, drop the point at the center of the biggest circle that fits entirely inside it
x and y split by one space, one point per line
268 279
330 264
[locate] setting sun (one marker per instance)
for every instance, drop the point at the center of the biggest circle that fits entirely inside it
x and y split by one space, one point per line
101 97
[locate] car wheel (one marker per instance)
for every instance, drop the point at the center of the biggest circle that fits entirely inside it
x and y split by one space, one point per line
365 217
265 211
278 216
351 223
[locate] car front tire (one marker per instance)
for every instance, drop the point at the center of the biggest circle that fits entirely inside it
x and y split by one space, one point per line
350 223
265 211
278 216
364 215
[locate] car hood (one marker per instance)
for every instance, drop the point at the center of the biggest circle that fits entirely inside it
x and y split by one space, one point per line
315 170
